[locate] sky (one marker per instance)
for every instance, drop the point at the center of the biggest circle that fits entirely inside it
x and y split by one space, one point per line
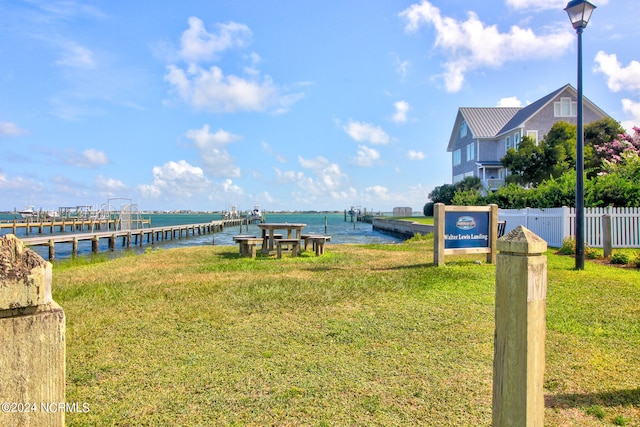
289 104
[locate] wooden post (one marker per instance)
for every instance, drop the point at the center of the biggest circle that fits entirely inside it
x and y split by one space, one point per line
95 244
518 364
606 235
32 327
438 235
52 250
74 247
493 233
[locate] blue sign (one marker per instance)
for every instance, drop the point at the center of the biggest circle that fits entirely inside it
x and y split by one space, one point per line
464 230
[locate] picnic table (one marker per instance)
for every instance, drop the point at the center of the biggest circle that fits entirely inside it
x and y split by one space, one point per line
294 233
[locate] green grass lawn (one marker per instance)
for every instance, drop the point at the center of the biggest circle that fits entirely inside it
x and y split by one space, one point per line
365 335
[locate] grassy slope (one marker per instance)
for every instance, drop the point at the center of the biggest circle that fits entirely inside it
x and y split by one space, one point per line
365 335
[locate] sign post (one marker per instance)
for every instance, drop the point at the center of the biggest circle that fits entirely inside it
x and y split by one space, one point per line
465 230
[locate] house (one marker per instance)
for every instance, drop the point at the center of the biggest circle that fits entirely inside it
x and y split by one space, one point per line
481 136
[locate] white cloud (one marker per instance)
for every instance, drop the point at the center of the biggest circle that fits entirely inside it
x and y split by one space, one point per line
75 56
402 108
95 157
88 159
472 44
229 187
542 4
415 155
378 192
328 176
366 156
176 179
10 129
197 44
618 77
110 187
362 132
633 109
402 67
267 149
19 184
212 91
325 179
212 147
511 101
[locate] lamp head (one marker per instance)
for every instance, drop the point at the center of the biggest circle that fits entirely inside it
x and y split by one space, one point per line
579 12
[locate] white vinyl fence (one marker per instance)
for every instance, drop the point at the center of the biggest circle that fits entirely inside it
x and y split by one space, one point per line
554 224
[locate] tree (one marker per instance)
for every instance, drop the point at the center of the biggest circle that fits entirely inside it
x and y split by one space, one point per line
599 137
443 194
533 163
619 184
446 192
525 165
613 151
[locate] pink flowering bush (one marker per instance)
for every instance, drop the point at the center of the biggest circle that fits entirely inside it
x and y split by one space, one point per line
615 151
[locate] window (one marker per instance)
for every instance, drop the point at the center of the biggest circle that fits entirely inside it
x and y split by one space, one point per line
463 129
508 143
565 108
457 157
533 134
471 151
516 140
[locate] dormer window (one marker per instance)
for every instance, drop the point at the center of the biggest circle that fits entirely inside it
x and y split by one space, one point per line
463 129
565 108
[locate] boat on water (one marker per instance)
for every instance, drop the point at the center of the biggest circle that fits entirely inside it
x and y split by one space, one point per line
28 212
256 212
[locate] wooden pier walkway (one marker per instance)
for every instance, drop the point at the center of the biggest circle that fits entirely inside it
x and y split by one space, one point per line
62 225
130 237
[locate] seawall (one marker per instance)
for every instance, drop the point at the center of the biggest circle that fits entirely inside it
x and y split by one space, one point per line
401 227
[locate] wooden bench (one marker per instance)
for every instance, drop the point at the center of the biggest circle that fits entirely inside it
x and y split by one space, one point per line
248 245
306 238
293 244
318 243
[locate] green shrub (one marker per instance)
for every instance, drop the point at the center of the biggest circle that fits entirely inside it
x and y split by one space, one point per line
428 209
620 258
591 253
636 260
568 246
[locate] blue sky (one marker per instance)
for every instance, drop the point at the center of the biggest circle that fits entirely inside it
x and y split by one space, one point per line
291 105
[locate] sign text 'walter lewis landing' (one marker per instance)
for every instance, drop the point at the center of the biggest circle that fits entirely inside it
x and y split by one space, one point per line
465 230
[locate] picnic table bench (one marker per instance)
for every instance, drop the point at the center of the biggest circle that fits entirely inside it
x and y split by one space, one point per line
317 242
247 245
293 245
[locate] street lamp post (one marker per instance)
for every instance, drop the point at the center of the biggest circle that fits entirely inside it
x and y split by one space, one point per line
579 12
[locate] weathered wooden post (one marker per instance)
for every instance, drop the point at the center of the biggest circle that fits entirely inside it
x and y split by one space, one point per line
606 235
52 249
518 363
32 334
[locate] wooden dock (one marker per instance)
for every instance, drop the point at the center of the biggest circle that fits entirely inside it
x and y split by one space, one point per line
134 237
62 225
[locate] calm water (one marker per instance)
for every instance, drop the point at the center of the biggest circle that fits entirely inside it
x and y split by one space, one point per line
336 227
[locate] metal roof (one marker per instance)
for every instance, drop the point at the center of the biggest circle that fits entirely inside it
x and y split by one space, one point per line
486 122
